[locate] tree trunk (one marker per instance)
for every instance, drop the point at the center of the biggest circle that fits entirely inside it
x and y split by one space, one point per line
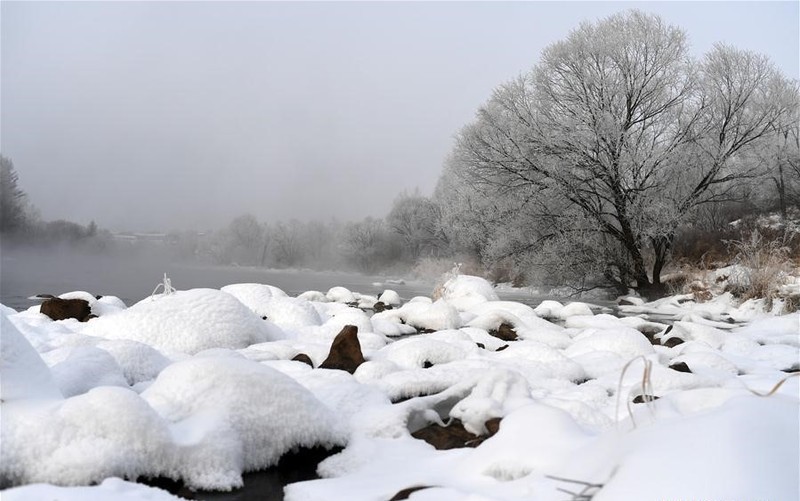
661 248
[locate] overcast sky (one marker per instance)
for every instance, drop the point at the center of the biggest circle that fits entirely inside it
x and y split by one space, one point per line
183 115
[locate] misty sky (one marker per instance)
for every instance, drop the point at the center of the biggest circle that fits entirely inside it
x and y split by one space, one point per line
183 115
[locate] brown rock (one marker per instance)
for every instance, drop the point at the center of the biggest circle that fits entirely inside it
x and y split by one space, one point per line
455 435
345 351
302 357
505 332
61 309
379 307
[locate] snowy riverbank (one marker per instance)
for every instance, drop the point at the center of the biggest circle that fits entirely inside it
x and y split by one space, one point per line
200 386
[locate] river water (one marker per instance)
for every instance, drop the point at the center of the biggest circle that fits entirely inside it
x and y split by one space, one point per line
132 278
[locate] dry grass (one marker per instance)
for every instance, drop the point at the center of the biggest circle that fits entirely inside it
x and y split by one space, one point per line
765 266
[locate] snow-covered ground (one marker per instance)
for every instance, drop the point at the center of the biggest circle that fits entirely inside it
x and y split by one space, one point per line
200 386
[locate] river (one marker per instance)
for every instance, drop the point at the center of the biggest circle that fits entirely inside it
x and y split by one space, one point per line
132 278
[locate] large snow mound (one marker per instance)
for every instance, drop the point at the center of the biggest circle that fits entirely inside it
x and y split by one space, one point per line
257 412
466 291
24 373
187 321
254 296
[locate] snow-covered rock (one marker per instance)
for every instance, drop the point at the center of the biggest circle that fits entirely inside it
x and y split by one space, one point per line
187 321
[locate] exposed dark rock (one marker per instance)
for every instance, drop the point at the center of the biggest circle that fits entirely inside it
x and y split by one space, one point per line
405 493
492 425
267 485
481 345
302 357
345 351
625 302
792 369
379 307
650 332
680 367
45 296
99 297
455 435
640 399
264 317
427 364
61 309
174 487
505 332
672 342
425 331
502 348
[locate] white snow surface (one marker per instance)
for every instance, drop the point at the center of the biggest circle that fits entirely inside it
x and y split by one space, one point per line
196 386
187 321
466 291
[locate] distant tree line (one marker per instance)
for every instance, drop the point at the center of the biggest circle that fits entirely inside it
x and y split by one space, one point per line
21 224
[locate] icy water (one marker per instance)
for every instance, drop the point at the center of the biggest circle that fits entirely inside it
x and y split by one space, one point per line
25 274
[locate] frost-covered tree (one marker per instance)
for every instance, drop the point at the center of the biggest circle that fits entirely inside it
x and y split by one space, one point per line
369 245
418 222
287 248
13 201
619 129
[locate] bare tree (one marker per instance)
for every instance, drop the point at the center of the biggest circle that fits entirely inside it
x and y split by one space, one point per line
418 221
622 125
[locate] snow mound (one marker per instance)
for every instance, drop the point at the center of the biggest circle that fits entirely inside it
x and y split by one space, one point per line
390 298
24 373
440 315
253 411
340 295
138 361
496 393
624 341
87 367
466 291
291 313
316 296
187 321
102 306
709 456
106 432
111 488
254 296
414 352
